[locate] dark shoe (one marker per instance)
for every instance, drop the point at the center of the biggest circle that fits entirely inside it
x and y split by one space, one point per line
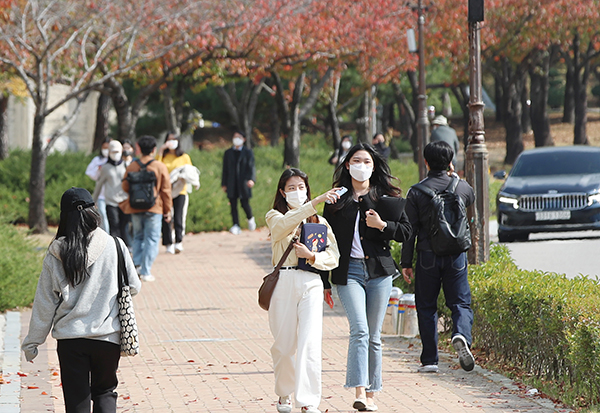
465 357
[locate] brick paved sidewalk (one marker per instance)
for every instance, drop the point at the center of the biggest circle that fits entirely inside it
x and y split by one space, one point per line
205 348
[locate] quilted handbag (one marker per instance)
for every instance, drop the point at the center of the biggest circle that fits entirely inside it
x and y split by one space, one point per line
130 345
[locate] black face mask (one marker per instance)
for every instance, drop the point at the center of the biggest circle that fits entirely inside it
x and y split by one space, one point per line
127 153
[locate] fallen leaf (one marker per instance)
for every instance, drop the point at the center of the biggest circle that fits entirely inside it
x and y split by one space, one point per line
32 387
44 393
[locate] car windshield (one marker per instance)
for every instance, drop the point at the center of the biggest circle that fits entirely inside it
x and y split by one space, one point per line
557 163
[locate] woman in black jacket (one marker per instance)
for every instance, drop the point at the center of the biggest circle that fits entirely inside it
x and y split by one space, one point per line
364 220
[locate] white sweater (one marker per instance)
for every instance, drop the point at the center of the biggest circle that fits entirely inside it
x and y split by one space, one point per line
88 310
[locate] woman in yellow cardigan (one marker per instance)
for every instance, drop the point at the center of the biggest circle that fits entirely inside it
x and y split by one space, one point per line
171 154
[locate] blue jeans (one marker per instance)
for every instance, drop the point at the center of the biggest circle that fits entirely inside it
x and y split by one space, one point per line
101 204
146 236
365 301
432 273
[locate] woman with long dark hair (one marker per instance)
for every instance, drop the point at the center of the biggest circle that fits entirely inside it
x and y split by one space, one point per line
296 309
173 156
76 298
364 220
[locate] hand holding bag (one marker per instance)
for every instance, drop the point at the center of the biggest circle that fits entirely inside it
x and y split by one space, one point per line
270 280
130 345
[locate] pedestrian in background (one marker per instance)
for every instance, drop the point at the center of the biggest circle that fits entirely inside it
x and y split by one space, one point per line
128 152
93 171
380 147
296 310
238 178
364 277
110 183
173 156
76 298
147 223
432 271
442 132
340 153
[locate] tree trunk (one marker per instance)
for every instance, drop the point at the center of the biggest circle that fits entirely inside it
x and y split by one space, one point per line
498 97
282 104
332 119
3 126
102 125
170 113
569 102
525 108
540 122
581 99
512 119
291 154
275 124
446 105
408 122
37 181
123 109
362 121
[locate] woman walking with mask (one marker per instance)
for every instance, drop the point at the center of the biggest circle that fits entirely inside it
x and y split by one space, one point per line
76 298
364 220
296 310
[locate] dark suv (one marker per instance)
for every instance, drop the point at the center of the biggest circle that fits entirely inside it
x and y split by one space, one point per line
550 189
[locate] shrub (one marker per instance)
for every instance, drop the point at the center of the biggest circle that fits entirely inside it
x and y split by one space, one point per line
20 266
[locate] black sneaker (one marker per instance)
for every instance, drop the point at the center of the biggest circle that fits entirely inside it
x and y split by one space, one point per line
465 357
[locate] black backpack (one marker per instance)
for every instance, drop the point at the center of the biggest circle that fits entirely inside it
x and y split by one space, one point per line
448 223
141 187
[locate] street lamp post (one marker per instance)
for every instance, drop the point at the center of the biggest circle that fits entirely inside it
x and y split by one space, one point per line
476 168
422 120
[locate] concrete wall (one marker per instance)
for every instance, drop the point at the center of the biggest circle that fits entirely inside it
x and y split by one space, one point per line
80 137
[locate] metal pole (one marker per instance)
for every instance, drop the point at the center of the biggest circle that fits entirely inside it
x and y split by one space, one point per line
476 168
422 120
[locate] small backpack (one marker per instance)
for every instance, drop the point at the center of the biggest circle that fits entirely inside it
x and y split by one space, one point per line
141 187
448 223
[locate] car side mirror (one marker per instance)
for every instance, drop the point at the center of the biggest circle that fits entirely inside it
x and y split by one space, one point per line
500 174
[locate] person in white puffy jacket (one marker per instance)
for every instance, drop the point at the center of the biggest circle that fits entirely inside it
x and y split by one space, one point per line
76 298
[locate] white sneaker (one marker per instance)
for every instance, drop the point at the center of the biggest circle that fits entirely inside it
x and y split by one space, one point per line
235 230
430 368
171 249
465 357
148 278
251 224
284 404
178 247
309 409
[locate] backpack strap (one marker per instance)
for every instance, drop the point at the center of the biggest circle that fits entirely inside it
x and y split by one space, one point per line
142 165
425 189
452 185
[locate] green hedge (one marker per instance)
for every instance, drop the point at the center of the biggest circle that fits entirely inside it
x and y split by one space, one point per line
544 323
20 267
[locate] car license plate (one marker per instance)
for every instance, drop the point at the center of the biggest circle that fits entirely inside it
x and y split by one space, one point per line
552 215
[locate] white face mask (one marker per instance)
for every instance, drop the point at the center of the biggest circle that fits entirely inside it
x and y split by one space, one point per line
346 145
295 199
104 152
172 144
115 156
237 142
361 172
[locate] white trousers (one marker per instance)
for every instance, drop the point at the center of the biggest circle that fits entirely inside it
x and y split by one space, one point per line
296 321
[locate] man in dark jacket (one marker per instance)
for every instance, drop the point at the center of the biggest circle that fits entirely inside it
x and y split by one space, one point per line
239 175
434 271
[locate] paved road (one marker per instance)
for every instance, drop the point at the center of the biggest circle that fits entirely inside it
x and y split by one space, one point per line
570 253
205 348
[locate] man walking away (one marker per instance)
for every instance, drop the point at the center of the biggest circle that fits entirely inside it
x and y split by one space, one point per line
434 271
441 131
239 175
149 187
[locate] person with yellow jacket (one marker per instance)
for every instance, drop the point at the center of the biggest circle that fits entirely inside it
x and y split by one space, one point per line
147 222
173 156
296 308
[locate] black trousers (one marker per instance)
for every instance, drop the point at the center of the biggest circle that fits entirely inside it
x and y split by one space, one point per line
118 222
234 211
88 371
167 234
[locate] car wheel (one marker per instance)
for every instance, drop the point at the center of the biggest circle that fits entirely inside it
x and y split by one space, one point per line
504 237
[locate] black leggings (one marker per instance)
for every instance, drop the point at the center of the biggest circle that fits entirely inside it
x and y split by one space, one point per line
177 222
88 370
118 222
234 211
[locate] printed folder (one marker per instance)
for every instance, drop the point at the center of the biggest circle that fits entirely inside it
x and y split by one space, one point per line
314 236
